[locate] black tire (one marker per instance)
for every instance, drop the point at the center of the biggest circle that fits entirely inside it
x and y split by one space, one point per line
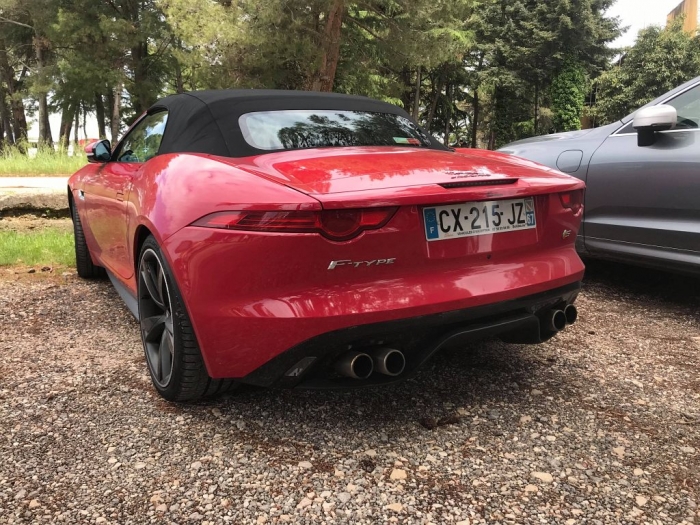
83 261
166 330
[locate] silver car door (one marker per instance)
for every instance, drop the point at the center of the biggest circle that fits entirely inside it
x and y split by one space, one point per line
645 201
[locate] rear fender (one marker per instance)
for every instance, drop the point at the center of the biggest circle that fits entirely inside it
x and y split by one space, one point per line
177 189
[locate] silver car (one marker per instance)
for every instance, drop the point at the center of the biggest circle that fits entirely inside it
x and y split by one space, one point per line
643 181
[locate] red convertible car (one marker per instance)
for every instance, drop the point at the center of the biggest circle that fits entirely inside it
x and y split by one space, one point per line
301 239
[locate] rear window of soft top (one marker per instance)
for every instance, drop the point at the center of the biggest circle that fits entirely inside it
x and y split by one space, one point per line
301 129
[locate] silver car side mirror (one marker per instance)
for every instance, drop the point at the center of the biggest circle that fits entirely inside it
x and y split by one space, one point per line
648 121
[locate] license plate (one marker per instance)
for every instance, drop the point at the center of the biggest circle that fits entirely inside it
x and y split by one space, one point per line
478 218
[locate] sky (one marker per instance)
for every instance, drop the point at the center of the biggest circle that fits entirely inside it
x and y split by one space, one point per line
639 14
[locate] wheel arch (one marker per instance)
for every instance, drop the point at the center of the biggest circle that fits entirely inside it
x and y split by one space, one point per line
140 235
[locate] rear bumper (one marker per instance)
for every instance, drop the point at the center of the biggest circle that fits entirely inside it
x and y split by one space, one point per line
254 298
310 364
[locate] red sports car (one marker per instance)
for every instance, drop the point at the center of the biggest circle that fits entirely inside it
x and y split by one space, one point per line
318 240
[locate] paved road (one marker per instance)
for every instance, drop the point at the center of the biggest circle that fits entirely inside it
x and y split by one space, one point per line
32 194
32 184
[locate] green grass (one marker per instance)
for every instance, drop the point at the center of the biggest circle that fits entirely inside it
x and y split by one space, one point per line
47 162
44 247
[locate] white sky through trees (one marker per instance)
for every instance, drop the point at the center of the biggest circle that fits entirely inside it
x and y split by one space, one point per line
639 14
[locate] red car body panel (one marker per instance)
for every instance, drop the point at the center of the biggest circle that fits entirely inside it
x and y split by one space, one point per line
251 296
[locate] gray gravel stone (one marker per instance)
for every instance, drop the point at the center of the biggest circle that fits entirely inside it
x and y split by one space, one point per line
84 435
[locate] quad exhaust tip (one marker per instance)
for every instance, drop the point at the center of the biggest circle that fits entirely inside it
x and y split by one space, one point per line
389 361
556 320
360 365
356 365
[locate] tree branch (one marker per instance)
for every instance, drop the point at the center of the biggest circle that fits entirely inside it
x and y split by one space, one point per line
375 35
114 6
3 19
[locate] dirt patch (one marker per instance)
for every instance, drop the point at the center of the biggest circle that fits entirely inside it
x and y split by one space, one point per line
27 222
35 274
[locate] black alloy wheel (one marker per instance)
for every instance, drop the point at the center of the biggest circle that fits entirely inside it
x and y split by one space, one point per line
172 353
155 316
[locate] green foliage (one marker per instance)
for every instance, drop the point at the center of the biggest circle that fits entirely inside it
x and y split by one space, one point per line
660 60
44 247
568 97
47 161
526 44
488 70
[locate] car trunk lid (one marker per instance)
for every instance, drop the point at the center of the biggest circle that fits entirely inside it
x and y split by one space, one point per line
393 176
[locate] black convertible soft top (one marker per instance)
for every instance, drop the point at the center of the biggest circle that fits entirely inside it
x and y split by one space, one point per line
207 121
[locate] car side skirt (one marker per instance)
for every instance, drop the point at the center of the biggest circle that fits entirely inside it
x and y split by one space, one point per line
129 299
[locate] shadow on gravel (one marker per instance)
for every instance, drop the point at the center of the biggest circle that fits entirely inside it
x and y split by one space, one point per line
643 283
491 379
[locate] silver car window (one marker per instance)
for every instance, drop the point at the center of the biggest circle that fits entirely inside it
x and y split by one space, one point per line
688 107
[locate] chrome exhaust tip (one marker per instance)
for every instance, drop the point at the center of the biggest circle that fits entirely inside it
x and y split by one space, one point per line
555 320
571 313
389 361
355 365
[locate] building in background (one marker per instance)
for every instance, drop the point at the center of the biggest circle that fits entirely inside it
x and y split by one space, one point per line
689 8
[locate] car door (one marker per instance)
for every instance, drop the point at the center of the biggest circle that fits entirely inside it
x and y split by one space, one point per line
644 201
107 193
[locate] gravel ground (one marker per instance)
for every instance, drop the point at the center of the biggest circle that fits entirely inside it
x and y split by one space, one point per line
601 425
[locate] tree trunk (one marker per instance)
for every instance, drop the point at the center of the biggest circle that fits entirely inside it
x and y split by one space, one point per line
44 129
7 135
448 115
492 140
140 92
108 109
116 113
47 126
19 121
434 103
416 97
330 48
17 117
66 126
475 119
100 113
179 84
76 128
537 105
43 140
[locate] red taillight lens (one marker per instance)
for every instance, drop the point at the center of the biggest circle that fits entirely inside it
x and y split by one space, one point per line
337 225
572 200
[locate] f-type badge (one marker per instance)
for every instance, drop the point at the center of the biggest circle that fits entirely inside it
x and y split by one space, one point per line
360 264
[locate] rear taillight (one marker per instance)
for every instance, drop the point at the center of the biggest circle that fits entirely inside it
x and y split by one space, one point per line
337 225
572 200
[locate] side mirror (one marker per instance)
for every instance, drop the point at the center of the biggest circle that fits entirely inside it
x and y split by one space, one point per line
100 151
648 121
